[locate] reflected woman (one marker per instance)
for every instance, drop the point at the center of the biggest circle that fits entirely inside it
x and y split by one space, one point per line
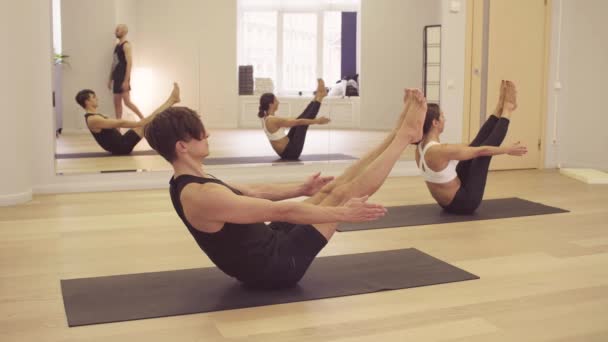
289 146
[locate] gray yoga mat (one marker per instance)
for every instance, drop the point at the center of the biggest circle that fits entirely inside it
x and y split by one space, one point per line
160 294
423 214
218 161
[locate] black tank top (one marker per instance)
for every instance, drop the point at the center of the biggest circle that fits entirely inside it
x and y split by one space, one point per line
120 60
109 138
243 251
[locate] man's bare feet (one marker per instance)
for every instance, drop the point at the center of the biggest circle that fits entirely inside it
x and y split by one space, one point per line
407 103
510 103
414 118
501 99
321 91
175 94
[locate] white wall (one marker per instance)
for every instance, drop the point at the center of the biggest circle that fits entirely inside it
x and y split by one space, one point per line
88 38
218 63
453 34
167 51
42 131
576 135
192 42
125 12
18 101
391 55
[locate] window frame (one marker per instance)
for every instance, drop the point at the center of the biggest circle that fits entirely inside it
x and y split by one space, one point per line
280 13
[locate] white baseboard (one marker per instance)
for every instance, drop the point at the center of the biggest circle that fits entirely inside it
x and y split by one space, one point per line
589 176
74 131
14 199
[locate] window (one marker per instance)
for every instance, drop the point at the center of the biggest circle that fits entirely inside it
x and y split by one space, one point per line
293 45
260 33
299 67
332 46
57 44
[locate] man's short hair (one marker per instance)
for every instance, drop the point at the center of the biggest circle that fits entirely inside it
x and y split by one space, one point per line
83 96
173 125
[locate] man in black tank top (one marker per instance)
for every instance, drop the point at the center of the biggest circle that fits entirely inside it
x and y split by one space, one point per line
105 130
227 220
120 74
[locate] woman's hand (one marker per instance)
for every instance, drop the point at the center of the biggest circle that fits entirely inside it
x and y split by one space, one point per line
517 150
323 120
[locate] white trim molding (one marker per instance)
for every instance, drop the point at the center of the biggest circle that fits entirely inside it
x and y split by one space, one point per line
14 199
254 173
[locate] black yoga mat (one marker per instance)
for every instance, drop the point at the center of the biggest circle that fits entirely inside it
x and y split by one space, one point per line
101 154
275 159
218 160
423 214
160 294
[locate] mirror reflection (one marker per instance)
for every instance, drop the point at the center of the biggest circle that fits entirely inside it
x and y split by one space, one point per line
275 82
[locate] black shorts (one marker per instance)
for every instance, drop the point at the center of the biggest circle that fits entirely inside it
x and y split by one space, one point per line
126 144
117 80
297 247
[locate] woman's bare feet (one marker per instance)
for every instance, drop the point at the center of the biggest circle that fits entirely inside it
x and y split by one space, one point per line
510 103
414 118
175 94
321 91
501 99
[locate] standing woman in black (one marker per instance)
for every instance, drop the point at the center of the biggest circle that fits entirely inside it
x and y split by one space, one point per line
289 146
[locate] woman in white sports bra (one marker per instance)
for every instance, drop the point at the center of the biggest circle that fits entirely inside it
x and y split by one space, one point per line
456 174
289 146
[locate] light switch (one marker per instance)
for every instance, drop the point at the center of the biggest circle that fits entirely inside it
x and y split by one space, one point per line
454 6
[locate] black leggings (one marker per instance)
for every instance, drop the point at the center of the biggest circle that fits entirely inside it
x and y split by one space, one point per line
297 134
474 173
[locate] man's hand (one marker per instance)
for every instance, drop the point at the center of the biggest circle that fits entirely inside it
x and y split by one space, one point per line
358 210
314 183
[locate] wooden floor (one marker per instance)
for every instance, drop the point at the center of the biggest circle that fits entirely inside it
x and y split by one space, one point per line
543 278
223 143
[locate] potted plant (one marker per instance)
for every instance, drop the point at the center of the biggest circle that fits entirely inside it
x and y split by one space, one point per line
60 59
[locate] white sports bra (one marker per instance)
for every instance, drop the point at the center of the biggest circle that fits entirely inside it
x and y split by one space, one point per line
440 177
278 135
